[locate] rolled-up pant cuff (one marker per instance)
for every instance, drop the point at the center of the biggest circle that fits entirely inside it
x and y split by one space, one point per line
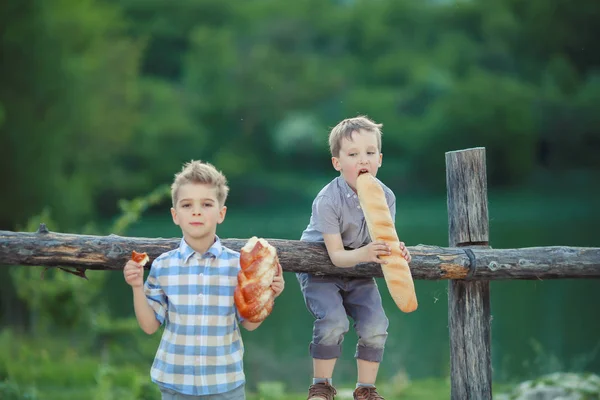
369 354
324 352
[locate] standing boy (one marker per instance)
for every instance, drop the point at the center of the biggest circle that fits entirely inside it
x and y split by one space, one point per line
338 221
190 290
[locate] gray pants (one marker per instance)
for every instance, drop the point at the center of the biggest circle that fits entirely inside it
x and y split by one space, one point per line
331 300
235 394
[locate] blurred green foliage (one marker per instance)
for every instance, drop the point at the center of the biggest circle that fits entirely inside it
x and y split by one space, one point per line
49 369
105 99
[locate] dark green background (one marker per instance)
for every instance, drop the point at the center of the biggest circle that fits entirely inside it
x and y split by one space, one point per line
104 100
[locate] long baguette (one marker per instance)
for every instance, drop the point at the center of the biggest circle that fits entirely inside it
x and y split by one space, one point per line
381 228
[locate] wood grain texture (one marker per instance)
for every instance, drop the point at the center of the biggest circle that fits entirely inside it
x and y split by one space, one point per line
428 262
469 315
467 197
470 333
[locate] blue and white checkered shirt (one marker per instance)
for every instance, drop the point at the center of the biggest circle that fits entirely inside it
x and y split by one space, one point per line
201 349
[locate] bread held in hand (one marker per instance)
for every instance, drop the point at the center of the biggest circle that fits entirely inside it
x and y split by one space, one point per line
140 258
381 228
253 295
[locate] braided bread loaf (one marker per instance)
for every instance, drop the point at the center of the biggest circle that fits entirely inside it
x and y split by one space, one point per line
259 264
381 228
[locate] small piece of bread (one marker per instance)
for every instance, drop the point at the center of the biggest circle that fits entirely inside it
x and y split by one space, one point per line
253 295
381 228
140 258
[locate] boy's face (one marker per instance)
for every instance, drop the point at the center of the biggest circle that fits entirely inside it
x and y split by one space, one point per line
359 155
197 211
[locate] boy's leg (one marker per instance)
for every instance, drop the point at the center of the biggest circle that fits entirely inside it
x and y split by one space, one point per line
324 301
363 303
323 369
367 372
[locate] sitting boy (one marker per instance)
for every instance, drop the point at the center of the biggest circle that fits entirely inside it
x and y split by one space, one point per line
337 220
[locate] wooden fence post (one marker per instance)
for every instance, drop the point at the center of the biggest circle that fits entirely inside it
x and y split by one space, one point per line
469 315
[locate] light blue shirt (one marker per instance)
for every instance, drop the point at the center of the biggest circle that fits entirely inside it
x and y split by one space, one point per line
201 349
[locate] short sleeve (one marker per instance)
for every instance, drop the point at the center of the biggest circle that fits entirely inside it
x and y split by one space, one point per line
391 202
325 215
155 295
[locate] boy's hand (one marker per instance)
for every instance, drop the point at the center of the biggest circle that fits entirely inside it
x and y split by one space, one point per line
373 250
134 274
405 252
278 282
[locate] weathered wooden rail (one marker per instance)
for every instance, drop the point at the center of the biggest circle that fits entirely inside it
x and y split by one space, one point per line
44 248
469 264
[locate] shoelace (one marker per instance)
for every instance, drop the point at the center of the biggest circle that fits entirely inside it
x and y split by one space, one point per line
368 393
321 389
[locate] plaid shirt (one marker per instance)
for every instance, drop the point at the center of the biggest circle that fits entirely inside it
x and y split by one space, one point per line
201 349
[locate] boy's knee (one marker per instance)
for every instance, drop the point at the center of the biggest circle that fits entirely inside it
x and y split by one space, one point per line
331 329
328 336
373 333
374 339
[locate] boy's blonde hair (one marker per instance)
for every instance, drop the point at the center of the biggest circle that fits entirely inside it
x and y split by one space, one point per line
200 172
345 129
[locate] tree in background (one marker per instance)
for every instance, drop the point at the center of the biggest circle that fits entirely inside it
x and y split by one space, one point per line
68 90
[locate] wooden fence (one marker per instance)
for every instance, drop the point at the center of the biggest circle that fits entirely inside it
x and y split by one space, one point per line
469 263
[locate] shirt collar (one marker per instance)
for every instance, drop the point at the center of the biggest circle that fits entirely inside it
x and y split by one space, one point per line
186 251
345 188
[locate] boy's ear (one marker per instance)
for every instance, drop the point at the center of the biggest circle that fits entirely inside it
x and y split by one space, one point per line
336 163
380 158
222 213
174 216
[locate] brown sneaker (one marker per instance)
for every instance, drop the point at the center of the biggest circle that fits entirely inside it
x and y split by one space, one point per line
367 393
321 391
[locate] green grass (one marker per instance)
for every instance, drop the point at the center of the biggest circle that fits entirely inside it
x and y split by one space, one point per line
427 389
50 367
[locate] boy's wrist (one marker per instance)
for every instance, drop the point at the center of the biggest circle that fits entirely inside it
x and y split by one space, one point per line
362 255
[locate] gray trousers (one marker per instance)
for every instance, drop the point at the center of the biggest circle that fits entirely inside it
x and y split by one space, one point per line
331 300
235 394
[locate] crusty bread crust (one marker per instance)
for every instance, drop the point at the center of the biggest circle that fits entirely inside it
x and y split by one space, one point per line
381 228
253 295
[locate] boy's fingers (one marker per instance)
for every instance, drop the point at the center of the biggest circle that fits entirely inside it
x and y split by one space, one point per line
133 273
